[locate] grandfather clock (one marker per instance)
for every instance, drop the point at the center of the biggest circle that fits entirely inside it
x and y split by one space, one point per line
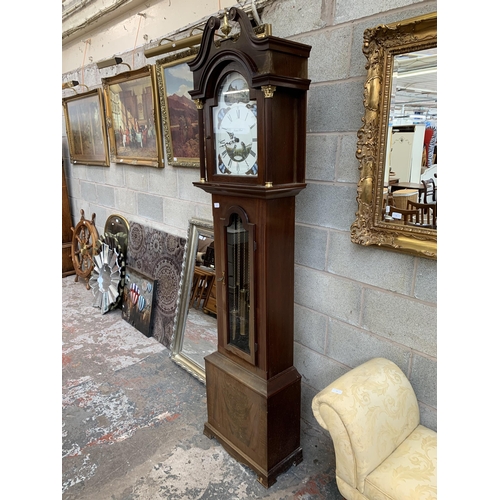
250 90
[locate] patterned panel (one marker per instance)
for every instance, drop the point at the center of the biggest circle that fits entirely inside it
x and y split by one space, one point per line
410 472
159 255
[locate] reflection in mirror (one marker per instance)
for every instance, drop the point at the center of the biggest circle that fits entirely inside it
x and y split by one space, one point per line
411 156
397 145
195 327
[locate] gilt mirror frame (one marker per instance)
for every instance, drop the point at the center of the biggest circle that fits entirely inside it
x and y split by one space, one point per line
196 228
381 45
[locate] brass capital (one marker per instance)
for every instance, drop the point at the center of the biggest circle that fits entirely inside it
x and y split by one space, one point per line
268 90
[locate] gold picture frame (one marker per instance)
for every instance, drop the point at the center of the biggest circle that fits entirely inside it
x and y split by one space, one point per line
86 128
133 118
381 45
178 110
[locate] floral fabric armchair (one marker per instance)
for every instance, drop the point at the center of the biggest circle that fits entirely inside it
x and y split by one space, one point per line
381 450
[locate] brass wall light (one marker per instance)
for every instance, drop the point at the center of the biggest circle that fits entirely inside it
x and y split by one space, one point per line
112 62
189 41
72 84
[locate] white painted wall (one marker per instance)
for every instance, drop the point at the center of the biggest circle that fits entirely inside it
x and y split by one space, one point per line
132 25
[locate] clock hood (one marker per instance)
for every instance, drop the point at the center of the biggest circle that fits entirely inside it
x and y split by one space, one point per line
267 59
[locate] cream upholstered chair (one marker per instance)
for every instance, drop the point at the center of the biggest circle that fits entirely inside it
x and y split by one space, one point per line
381 450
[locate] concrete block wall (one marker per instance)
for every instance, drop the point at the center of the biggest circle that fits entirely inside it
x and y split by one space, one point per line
352 303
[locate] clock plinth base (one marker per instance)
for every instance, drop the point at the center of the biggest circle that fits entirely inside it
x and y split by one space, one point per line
257 421
266 478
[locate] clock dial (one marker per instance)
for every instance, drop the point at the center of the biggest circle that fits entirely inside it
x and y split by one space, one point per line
235 128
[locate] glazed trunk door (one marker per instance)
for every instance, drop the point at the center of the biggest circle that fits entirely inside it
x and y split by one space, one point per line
237 318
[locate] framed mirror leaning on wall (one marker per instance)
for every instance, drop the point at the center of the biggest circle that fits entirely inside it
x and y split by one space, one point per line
397 144
195 326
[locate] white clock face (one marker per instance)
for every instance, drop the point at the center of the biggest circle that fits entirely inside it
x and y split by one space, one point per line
235 128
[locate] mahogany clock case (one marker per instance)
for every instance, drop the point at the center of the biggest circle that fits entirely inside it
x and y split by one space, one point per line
254 399
253 389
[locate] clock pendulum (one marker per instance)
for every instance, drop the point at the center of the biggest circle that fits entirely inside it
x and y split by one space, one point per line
250 92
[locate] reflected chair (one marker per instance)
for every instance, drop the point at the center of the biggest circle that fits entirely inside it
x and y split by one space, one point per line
404 216
202 284
382 451
428 193
427 213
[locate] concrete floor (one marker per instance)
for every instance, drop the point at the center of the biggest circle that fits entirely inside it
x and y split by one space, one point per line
133 422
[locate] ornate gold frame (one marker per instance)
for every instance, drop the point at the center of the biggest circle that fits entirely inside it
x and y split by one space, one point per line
143 83
380 46
162 66
84 117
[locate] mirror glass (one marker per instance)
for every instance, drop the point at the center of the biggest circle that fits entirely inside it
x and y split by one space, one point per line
195 327
397 144
411 155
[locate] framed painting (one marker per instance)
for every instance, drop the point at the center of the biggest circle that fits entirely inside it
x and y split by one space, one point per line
138 299
86 128
178 111
133 118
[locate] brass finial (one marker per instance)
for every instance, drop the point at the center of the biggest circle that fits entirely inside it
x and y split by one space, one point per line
225 28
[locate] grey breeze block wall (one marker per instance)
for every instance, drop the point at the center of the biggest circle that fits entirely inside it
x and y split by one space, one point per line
352 303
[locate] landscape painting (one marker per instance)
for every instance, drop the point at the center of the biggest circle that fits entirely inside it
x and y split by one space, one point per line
179 113
85 128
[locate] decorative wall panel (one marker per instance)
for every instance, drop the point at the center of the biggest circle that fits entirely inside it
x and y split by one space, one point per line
159 255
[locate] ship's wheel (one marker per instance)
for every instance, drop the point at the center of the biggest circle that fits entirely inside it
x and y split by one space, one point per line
83 247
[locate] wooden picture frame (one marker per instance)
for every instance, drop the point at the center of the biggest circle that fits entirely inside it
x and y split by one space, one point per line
133 118
86 128
178 110
138 300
